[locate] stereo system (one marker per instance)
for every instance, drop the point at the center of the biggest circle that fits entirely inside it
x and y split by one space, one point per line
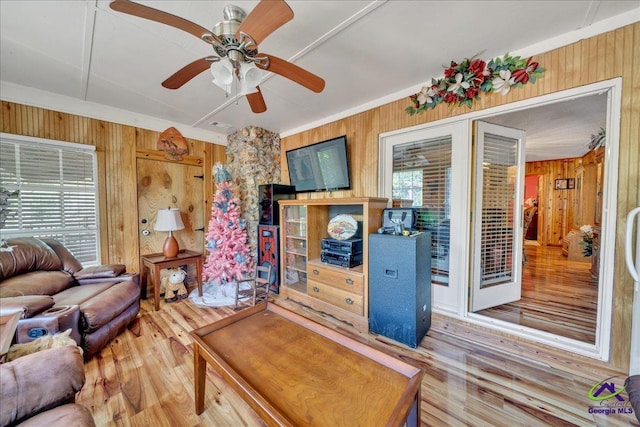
342 260
268 250
268 196
349 246
344 253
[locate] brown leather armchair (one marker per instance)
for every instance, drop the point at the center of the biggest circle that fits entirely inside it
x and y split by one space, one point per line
40 389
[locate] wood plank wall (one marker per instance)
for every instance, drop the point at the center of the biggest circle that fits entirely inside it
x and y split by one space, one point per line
117 147
602 57
558 208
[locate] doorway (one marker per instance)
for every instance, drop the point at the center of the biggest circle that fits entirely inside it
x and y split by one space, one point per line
163 184
569 114
562 290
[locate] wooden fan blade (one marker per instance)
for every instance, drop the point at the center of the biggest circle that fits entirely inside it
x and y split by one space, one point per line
135 9
256 102
294 73
264 19
186 73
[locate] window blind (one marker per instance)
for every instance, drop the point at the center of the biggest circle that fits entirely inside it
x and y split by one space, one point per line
422 174
499 189
57 193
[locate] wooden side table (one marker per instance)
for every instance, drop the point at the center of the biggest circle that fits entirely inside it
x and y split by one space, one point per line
8 324
156 262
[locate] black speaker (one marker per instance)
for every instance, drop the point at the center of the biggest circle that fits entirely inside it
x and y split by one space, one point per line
268 253
269 194
400 286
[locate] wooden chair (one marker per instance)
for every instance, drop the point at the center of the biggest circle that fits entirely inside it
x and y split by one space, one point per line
259 290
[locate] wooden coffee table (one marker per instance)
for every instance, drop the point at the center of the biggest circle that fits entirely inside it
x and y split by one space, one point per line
293 372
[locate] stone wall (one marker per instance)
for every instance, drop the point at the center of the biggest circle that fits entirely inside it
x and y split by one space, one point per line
253 158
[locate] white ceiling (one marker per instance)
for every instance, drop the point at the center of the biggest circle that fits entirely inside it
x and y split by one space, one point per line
82 57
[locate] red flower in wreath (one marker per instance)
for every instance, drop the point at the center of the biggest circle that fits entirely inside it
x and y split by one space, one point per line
451 71
522 75
450 97
471 92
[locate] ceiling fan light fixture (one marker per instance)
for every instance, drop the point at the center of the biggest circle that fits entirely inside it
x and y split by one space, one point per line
237 64
251 75
222 72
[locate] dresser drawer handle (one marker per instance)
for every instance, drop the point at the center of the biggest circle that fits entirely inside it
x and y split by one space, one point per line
316 271
316 289
349 281
349 301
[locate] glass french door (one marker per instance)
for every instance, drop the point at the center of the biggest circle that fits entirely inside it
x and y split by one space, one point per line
428 170
497 215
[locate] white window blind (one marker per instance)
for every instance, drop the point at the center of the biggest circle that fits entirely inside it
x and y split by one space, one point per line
422 174
57 193
499 179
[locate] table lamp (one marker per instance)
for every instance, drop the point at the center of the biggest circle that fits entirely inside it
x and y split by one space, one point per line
169 220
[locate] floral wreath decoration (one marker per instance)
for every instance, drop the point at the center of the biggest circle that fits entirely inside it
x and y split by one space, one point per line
463 82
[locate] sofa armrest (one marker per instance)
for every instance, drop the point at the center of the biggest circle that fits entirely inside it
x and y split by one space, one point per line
134 277
40 381
100 271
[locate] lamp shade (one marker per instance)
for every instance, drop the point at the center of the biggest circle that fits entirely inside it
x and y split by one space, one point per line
168 220
251 75
222 72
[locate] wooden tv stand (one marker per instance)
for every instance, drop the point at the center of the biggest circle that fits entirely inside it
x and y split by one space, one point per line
294 372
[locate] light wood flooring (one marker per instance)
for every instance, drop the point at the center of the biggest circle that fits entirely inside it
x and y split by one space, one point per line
558 296
472 377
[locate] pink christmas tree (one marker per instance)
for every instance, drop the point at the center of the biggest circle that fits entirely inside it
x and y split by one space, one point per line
229 256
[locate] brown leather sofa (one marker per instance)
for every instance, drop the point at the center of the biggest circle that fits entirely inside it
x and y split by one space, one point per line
40 389
48 284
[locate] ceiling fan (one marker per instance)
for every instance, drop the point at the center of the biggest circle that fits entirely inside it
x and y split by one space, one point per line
235 42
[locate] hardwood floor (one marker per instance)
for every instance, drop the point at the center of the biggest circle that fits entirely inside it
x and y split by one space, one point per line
145 377
558 296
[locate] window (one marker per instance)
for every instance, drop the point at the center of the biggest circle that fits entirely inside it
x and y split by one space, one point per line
407 185
57 192
422 174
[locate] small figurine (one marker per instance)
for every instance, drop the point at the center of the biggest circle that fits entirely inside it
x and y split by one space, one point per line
173 284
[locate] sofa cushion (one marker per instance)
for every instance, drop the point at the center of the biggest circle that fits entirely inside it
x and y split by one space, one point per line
29 305
27 254
78 295
101 271
70 263
36 283
69 415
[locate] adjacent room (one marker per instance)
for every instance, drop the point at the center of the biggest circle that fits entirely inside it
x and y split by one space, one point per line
307 213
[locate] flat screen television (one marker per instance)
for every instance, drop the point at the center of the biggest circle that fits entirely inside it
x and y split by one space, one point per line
323 166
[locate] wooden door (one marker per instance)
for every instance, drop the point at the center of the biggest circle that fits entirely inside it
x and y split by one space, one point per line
166 184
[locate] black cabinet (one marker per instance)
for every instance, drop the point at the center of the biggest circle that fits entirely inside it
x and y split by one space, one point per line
400 286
